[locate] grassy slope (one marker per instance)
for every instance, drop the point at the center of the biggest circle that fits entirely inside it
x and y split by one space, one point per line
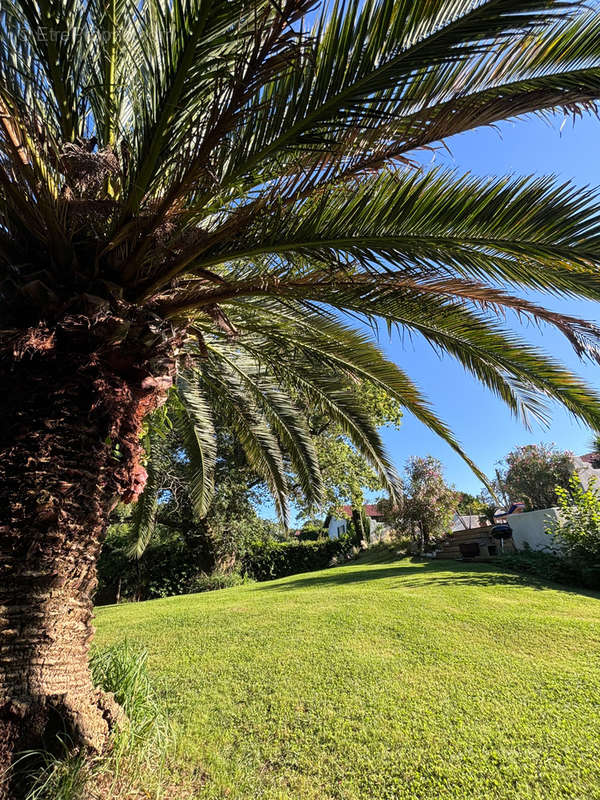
381 680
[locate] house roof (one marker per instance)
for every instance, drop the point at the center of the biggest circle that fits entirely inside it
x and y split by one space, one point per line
590 458
465 522
371 510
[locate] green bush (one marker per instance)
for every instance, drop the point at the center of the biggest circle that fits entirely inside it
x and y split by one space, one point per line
218 579
576 535
267 560
577 531
551 567
165 569
311 534
542 565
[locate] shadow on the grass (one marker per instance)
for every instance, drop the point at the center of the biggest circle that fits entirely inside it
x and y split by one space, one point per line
439 573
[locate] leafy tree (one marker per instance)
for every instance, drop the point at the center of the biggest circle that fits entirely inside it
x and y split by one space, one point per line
427 505
194 191
487 515
470 504
532 473
172 498
482 505
595 443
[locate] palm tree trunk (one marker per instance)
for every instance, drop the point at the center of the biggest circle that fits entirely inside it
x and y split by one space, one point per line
72 401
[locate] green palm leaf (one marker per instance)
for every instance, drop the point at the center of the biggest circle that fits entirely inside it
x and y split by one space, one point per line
244 172
192 418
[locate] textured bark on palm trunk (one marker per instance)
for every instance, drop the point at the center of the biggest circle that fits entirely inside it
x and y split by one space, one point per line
72 400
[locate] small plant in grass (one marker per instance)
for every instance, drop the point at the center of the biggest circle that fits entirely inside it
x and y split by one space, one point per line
137 755
219 579
55 777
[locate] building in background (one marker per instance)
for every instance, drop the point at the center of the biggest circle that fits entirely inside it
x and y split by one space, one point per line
338 525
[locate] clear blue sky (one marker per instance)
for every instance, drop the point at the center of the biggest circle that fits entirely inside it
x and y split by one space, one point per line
481 422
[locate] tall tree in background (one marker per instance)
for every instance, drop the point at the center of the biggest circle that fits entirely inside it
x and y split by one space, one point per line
198 188
427 505
157 546
531 474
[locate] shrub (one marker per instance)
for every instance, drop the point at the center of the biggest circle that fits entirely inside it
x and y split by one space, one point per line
547 566
267 560
576 535
553 567
218 579
577 531
311 534
165 569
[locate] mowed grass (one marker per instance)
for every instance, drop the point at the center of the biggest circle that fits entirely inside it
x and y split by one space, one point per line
380 680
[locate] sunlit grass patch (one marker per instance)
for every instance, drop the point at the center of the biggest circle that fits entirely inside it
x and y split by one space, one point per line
399 680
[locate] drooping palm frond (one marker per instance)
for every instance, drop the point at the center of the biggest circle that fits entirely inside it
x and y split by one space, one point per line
246 170
285 417
266 410
318 355
192 418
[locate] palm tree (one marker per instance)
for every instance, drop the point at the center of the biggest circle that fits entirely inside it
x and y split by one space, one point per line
595 443
179 177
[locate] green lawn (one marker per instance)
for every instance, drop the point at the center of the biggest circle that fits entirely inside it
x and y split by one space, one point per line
380 680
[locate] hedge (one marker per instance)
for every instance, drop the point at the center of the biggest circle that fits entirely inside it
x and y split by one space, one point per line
267 560
552 568
311 534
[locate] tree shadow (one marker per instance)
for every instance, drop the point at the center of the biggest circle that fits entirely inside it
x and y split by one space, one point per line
440 573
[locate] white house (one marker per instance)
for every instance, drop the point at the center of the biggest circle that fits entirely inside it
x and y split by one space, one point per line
338 526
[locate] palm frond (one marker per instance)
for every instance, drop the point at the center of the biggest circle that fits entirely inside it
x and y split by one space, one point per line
287 420
249 425
536 233
294 340
192 418
365 60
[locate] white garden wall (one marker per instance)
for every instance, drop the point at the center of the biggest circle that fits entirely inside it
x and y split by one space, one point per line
529 528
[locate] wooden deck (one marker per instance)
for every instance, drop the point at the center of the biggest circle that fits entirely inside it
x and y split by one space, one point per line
488 546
